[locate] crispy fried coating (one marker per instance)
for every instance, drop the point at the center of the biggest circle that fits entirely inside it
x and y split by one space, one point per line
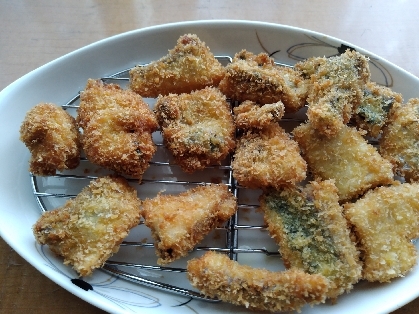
399 142
88 229
355 165
268 158
117 126
385 220
312 233
197 128
249 115
336 86
179 222
189 66
259 79
51 136
215 275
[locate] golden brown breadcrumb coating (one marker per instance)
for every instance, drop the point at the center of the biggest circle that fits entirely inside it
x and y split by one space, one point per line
399 142
355 165
250 115
197 128
385 220
313 234
259 79
117 126
215 275
88 229
268 158
189 66
179 222
51 136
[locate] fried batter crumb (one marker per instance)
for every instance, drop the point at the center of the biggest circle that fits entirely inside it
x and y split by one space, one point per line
250 115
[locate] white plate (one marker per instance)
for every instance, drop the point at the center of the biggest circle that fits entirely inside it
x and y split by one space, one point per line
60 80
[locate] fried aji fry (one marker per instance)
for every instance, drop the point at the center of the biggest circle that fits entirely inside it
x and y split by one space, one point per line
179 222
51 136
197 128
400 140
259 79
117 126
312 233
355 165
87 230
189 66
385 220
250 115
215 275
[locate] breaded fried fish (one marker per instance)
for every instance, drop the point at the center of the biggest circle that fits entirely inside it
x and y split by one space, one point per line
189 66
250 115
51 136
88 229
179 222
312 233
215 275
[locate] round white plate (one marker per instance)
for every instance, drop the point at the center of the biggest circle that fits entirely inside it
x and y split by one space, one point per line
59 80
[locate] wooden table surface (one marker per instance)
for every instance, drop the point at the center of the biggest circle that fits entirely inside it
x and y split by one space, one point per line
36 32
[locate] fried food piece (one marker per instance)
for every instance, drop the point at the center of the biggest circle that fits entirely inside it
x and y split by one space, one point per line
355 165
259 79
400 139
179 222
336 86
189 66
117 126
385 220
250 115
88 229
372 113
197 128
268 158
51 136
312 233
215 275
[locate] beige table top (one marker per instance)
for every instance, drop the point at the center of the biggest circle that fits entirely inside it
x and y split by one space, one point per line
35 32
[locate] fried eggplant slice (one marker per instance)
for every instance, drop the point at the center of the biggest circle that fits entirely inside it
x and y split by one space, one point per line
88 229
385 221
215 275
179 222
189 66
250 115
52 137
313 234
197 128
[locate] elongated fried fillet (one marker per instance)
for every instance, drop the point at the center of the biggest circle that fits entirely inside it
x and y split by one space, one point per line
51 136
312 233
87 230
117 126
215 275
250 115
268 158
400 139
259 79
197 128
179 222
385 220
355 165
189 66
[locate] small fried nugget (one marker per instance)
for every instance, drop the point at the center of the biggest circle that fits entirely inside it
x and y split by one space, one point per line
372 113
355 165
51 136
215 275
268 158
117 126
313 234
179 222
88 229
399 142
197 128
259 79
250 115
385 220
188 67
